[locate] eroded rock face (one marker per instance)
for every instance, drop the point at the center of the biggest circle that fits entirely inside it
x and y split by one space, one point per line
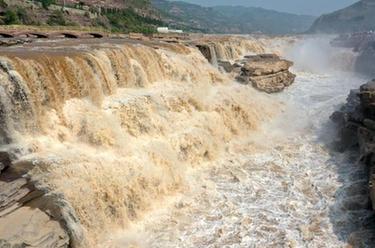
18 228
264 64
357 41
31 216
365 63
266 72
356 121
364 44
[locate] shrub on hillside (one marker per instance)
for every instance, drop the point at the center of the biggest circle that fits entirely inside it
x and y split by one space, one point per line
47 3
128 20
11 17
57 19
3 4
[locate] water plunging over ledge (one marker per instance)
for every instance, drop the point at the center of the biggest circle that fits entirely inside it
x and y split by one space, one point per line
282 187
149 145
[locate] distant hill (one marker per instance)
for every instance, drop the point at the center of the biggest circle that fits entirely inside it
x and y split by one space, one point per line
112 15
231 19
355 18
145 15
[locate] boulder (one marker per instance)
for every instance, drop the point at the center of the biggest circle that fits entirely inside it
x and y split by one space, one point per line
273 83
260 65
266 72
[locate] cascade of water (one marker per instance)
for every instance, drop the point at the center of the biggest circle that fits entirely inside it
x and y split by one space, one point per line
116 128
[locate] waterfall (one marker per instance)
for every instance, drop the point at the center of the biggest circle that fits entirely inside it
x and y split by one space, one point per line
114 128
213 61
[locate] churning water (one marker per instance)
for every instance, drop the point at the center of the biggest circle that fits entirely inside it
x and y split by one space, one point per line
152 139
282 186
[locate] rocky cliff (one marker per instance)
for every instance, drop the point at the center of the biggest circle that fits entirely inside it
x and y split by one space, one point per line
364 45
356 130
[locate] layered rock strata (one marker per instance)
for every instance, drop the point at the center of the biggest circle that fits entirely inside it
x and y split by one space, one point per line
363 44
266 72
32 216
356 122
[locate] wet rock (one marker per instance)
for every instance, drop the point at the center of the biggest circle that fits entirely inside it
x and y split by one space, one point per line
370 124
266 72
265 64
273 83
31 227
358 202
30 216
208 51
13 42
226 65
205 50
363 238
5 161
356 124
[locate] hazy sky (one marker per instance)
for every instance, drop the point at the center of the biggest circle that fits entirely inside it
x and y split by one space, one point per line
310 7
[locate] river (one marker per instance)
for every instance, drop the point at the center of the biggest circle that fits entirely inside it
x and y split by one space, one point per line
283 186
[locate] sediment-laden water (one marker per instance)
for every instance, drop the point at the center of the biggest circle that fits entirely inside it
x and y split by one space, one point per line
152 146
113 128
282 186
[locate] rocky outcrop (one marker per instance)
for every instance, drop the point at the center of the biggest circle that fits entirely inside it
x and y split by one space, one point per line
357 41
356 130
356 121
31 216
364 45
13 42
266 72
365 63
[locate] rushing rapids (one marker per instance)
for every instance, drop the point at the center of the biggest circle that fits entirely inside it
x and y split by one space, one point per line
149 145
112 129
282 186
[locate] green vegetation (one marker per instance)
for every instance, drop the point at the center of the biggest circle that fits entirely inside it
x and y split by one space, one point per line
17 15
231 19
47 3
128 20
11 17
3 4
131 16
57 19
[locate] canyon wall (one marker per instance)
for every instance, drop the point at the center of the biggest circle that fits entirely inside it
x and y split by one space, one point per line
356 131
